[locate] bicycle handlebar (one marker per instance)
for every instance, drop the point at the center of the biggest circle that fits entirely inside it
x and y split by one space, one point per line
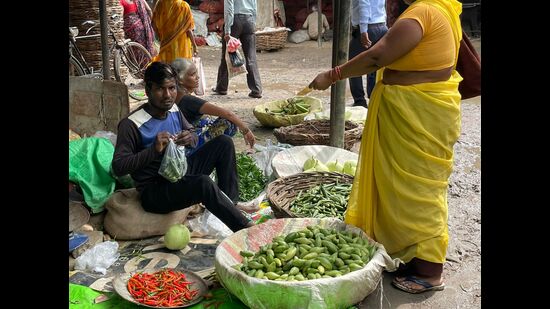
93 23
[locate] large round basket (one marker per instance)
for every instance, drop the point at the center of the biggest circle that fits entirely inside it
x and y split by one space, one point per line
283 191
273 39
324 293
316 132
268 119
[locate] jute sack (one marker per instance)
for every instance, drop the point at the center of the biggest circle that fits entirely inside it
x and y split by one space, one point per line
126 219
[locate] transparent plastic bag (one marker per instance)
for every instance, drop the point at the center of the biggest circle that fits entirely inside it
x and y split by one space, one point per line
234 70
252 205
233 44
207 224
106 134
174 163
98 258
202 80
265 154
236 59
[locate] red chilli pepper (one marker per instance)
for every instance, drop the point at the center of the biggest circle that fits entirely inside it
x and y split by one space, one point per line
166 288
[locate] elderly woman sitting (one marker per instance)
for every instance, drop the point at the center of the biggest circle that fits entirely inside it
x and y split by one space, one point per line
200 112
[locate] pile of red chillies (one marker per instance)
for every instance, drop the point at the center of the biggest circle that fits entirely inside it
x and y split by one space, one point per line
164 288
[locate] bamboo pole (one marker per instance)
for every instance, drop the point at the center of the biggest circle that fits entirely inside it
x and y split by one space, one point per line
340 48
319 21
104 44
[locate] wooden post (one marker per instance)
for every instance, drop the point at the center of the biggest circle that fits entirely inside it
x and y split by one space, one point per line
104 44
319 21
340 46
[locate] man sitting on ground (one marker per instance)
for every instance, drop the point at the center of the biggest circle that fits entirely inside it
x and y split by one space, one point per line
141 143
312 23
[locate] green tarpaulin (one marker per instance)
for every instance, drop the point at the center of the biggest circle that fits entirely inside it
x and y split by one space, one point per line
89 166
81 297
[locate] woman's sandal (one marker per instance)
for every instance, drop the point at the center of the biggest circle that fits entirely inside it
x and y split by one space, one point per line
426 286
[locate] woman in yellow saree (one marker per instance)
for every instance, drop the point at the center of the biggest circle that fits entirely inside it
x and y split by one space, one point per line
173 23
399 195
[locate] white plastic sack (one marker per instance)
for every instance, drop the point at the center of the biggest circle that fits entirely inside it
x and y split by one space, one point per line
99 257
200 19
213 40
354 113
339 292
298 36
291 161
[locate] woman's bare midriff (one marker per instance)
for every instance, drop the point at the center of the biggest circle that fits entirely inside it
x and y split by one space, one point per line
393 77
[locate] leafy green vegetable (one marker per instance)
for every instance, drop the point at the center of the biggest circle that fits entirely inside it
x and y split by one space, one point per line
251 179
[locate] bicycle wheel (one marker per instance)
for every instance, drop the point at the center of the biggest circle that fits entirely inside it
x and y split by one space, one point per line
75 68
136 58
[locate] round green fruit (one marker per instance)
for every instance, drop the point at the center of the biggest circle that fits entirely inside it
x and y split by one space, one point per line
177 237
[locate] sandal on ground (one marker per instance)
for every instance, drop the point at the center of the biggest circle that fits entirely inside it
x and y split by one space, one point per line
426 286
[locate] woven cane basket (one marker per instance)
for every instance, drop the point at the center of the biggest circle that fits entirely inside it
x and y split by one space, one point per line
283 191
316 132
267 40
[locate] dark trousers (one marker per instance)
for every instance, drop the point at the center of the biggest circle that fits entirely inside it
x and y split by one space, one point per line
376 32
244 28
197 187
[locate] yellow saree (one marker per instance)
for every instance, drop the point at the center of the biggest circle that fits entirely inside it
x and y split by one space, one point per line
171 21
399 194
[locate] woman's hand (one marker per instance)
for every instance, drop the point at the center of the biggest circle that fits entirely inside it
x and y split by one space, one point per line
184 138
249 138
163 138
322 81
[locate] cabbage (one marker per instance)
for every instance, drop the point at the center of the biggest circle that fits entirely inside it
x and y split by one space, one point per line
177 237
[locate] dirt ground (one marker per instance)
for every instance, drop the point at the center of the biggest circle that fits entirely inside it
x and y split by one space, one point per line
283 73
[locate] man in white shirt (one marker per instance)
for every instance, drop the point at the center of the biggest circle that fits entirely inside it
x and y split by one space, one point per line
240 22
368 21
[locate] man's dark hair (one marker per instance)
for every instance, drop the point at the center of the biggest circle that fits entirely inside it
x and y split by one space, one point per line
157 72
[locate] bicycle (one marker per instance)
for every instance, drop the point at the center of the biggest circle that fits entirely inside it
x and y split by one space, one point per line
132 54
